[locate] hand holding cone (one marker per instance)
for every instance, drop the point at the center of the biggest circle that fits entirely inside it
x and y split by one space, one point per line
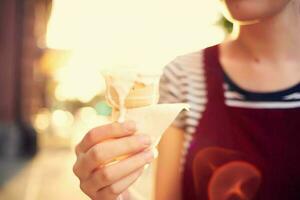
134 96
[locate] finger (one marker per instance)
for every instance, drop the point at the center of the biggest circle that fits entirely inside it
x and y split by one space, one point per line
107 151
113 191
98 134
109 175
79 168
110 150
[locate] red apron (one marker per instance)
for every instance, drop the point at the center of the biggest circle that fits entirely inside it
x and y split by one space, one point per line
241 153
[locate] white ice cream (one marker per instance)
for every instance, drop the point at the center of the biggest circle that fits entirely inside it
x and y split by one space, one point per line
122 81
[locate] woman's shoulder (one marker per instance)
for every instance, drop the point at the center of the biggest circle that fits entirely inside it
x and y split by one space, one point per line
188 60
192 61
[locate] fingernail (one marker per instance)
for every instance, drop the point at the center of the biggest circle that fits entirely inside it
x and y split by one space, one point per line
129 126
149 156
144 139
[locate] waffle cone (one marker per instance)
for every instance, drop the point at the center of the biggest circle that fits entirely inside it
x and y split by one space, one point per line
140 95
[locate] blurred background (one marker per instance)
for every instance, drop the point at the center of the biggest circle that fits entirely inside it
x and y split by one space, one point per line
52 53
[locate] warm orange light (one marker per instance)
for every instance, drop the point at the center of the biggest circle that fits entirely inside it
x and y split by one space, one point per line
53 59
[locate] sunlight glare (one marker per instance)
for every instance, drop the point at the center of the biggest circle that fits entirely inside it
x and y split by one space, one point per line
137 33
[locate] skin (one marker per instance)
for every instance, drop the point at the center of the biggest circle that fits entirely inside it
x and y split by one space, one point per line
261 56
168 165
264 56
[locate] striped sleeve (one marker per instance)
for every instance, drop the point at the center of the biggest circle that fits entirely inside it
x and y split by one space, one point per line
183 80
171 89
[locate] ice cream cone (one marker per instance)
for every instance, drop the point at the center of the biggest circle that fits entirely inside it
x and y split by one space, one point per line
134 96
139 95
130 90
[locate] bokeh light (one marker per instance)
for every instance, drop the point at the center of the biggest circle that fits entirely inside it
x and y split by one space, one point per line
42 119
62 118
61 123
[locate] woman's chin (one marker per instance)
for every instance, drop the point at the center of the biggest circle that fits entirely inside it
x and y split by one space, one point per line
242 19
244 22
252 11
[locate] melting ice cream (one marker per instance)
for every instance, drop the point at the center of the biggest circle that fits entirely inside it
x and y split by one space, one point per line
131 88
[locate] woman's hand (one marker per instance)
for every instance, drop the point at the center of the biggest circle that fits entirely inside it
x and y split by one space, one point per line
100 177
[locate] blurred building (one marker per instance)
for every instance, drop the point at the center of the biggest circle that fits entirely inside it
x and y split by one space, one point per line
22 24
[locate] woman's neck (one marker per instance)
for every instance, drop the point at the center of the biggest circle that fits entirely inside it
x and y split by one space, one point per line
274 38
